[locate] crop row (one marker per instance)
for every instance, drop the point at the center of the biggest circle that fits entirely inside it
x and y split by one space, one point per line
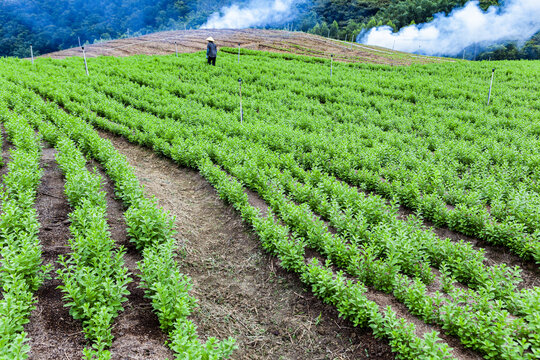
493 348
469 217
346 295
464 263
152 231
93 275
420 184
21 269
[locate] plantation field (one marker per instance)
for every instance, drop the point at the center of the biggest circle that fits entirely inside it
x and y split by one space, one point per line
276 41
343 211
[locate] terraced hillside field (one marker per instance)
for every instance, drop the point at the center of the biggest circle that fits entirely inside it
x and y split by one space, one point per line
378 212
277 41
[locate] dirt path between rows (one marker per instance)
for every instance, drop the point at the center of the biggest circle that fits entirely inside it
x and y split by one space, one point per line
136 331
6 155
53 333
243 292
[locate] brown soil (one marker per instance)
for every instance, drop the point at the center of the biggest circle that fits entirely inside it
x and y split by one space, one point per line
136 330
243 292
53 333
6 155
163 43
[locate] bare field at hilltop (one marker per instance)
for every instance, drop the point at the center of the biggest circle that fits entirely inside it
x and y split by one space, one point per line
189 41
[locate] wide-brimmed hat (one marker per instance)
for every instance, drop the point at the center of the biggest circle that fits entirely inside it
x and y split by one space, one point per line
210 39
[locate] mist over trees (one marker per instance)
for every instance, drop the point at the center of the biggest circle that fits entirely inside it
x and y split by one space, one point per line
51 25
359 16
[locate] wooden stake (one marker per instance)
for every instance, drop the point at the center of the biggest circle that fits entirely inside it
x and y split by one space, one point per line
241 110
491 85
85 64
32 54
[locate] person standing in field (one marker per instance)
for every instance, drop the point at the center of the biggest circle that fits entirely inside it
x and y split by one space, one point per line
211 51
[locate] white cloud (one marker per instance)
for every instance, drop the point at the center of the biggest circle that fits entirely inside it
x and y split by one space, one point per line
449 35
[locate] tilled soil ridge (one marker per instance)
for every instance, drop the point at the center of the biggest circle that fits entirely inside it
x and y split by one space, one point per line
189 41
243 292
136 331
53 334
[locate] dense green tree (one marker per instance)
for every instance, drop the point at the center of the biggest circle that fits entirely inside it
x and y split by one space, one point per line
50 25
343 10
531 50
512 51
334 29
371 23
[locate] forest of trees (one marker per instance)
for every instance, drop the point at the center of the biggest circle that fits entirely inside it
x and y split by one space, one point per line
366 14
51 25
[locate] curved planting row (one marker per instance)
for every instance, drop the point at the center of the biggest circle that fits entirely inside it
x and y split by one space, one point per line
496 335
464 263
423 248
149 228
487 206
491 343
21 269
346 295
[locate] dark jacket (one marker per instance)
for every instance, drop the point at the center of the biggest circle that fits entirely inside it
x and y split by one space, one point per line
211 50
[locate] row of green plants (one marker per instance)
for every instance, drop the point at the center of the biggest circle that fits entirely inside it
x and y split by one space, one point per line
94 277
369 220
21 268
480 327
150 228
219 133
1 147
411 296
169 129
484 325
464 263
449 171
517 205
346 294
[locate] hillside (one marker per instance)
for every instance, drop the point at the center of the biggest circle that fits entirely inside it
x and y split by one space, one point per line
375 212
51 25
163 43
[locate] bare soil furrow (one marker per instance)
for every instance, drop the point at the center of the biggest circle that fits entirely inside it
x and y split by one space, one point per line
53 333
243 292
6 156
136 331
